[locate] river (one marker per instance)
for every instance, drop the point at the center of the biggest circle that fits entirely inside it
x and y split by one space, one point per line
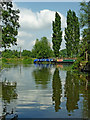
44 91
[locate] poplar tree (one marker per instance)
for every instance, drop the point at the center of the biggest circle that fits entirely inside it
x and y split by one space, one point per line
72 34
57 34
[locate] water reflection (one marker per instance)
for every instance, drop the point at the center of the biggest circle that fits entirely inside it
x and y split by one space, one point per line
77 92
56 86
42 75
88 87
9 91
46 91
72 92
9 96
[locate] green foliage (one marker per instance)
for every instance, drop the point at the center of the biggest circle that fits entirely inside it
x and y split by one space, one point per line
84 13
27 60
72 34
10 53
57 34
63 53
76 64
41 49
85 24
26 53
10 24
4 60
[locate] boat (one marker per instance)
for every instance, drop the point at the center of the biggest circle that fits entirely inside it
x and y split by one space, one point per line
54 60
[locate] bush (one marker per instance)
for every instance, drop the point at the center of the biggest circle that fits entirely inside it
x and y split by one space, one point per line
4 60
27 60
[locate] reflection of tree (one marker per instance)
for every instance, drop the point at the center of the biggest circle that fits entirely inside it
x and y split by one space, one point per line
86 101
42 76
56 85
8 91
77 86
8 94
88 78
72 92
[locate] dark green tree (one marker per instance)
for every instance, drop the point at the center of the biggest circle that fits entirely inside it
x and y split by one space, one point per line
72 34
85 24
57 34
10 53
10 24
63 53
42 48
26 53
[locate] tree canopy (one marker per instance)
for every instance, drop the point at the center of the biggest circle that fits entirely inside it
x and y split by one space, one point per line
42 48
85 24
10 24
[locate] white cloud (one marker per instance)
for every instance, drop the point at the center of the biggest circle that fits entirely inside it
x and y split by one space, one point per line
20 42
35 25
63 41
24 34
39 20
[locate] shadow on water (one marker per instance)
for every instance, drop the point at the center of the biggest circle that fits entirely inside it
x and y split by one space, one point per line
71 92
76 88
56 86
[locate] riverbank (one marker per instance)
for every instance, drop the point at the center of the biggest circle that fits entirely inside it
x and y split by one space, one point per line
77 66
83 66
6 62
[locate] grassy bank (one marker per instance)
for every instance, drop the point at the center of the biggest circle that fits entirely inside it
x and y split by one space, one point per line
6 62
23 60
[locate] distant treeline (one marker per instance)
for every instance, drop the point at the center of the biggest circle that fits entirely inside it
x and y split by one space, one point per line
26 53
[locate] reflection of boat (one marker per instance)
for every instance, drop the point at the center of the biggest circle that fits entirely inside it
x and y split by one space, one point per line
59 65
43 65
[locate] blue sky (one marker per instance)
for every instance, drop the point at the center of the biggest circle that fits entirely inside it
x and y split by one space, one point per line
36 20
56 6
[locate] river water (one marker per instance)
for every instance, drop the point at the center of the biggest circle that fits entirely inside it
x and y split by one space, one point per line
44 91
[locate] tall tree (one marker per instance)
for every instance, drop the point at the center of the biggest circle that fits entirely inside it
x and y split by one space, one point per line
85 24
57 34
10 24
72 34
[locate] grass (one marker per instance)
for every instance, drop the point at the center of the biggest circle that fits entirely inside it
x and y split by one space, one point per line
6 62
18 60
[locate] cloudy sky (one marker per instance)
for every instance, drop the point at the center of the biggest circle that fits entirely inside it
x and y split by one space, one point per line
36 20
